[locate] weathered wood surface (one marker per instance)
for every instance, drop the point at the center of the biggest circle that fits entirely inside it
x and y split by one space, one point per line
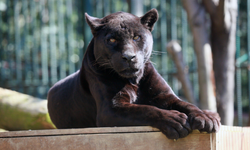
123 138
228 138
99 138
246 138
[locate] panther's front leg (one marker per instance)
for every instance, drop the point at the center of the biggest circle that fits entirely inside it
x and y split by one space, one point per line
120 111
158 93
202 120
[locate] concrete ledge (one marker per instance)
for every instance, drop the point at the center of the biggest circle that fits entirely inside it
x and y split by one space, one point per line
123 138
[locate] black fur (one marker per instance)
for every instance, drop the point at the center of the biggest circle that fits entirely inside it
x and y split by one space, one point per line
118 86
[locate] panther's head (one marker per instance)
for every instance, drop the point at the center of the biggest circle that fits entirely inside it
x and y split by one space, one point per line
123 42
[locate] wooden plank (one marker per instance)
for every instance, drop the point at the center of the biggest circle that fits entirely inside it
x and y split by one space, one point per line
134 138
246 138
59 132
228 138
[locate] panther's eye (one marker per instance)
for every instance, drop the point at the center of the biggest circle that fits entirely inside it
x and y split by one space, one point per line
136 38
112 40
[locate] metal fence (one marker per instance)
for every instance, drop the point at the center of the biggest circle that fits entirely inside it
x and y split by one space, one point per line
43 41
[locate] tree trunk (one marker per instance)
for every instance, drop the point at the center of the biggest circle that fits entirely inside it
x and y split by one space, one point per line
223 16
23 112
174 49
198 23
136 7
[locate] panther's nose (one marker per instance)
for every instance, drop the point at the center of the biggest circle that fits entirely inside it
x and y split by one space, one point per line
128 57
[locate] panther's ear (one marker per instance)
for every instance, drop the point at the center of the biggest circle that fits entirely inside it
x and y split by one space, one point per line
93 22
149 19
